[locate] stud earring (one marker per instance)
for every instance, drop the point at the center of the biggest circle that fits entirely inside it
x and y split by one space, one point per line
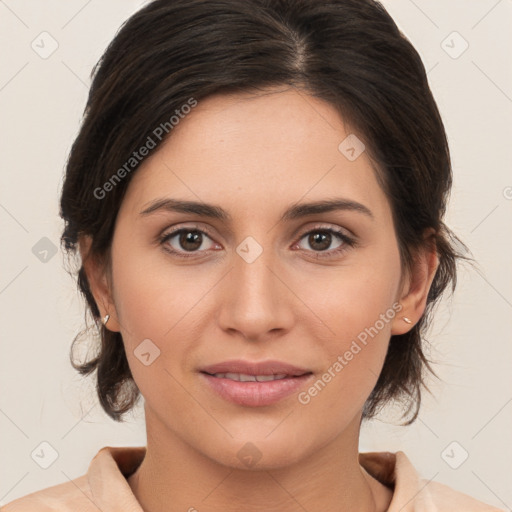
406 320
105 319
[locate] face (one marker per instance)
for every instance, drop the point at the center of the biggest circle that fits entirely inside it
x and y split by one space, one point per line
316 290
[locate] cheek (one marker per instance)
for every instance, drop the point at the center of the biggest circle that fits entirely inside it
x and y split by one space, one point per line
354 358
358 306
152 295
355 298
161 310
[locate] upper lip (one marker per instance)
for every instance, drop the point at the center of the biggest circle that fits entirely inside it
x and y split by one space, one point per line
269 367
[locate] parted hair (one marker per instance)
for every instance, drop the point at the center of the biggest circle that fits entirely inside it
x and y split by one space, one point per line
348 53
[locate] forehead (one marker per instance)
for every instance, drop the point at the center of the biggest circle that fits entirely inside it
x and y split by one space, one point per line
251 151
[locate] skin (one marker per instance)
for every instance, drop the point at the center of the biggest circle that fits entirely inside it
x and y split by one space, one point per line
255 156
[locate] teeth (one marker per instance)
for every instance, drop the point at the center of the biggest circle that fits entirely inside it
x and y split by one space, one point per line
243 377
264 378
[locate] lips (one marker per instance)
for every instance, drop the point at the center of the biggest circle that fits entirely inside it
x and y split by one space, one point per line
254 384
255 368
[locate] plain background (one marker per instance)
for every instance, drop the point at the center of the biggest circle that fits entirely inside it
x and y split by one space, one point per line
41 102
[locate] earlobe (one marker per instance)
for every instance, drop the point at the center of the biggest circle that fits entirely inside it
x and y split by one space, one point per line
417 286
98 284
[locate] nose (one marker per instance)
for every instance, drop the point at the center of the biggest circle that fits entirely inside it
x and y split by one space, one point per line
255 300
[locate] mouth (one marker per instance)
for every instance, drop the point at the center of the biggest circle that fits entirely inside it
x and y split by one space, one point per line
254 384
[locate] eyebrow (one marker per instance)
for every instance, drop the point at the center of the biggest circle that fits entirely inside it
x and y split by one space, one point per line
295 211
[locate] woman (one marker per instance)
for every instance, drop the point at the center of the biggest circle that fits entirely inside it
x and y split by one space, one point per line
257 195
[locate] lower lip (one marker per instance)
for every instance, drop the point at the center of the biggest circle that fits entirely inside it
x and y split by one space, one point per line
256 394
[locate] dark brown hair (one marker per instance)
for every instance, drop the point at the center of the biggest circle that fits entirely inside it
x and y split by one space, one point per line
349 53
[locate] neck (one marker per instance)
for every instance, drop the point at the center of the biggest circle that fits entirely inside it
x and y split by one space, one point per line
175 477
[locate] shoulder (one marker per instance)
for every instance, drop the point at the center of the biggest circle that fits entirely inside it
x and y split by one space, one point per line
434 495
412 493
74 495
448 499
103 487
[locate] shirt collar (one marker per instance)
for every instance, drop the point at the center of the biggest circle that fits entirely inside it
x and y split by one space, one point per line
110 468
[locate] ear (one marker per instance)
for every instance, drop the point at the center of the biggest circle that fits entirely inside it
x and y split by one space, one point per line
99 283
414 292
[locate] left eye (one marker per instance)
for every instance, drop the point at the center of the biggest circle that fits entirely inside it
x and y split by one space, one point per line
321 239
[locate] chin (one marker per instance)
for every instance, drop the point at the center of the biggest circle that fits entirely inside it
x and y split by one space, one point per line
259 453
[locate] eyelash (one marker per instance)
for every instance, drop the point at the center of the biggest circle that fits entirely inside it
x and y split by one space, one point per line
348 242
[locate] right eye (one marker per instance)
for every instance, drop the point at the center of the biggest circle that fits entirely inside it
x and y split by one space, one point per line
181 241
